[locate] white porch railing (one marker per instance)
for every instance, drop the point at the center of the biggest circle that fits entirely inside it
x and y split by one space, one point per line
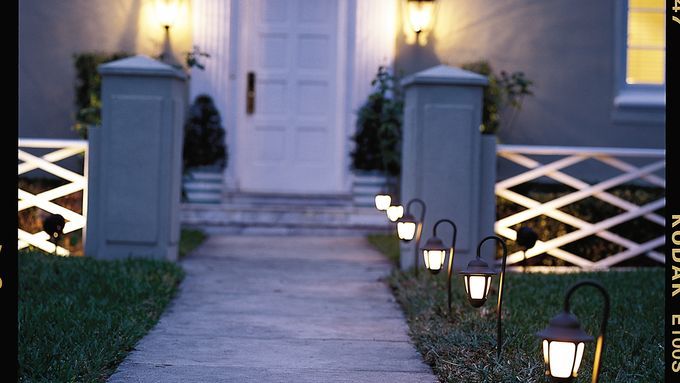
44 200
570 156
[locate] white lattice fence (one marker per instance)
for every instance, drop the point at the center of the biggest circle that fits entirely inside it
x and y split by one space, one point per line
44 200
614 157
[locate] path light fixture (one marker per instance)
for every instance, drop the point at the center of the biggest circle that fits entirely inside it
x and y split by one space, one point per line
166 13
526 239
477 278
564 340
420 14
394 212
54 225
434 253
408 227
382 201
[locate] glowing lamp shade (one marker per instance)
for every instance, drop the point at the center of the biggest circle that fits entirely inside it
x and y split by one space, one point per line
382 201
420 14
563 343
395 212
167 12
477 278
406 228
434 254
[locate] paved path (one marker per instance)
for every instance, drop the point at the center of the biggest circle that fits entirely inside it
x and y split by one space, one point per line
280 309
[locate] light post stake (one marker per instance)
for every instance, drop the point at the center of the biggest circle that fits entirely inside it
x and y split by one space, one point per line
452 251
419 227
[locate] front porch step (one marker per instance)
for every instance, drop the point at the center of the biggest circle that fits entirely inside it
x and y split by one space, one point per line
285 215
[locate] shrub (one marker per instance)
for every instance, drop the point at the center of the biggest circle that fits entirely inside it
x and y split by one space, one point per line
204 135
503 90
379 122
88 88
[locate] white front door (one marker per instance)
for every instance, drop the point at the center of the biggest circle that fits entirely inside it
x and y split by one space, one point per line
290 140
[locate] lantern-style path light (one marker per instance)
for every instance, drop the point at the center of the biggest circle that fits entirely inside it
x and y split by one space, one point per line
395 211
477 278
408 227
526 239
434 253
382 201
564 340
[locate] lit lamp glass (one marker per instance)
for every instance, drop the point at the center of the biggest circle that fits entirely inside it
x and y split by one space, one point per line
395 212
382 201
406 227
420 14
477 277
167 12
563 343
434 254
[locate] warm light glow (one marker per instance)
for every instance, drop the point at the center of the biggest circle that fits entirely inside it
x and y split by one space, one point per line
167 11
477 286
545 351
420 14
562 355
434 259
382 201
395 212
646 42
406 230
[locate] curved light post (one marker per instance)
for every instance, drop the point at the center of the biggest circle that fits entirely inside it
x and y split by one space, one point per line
564 340
434 253
477 278
408 227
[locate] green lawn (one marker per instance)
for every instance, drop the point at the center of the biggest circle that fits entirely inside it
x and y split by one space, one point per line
460 346
79 317
191 239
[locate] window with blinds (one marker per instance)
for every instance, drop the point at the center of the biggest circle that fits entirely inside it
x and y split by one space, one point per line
646 42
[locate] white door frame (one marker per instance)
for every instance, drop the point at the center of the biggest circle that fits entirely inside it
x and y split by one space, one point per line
239 52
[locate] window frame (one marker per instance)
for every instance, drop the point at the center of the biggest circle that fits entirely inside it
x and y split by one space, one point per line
633 103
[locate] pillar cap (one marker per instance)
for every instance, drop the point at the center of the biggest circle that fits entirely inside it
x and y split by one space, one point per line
140 65
445 75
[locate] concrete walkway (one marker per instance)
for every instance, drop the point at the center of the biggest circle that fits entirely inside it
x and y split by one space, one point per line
280 309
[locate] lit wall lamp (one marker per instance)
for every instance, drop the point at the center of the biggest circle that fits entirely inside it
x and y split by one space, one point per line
408 227
434 253
420 14
477 278
394 212
167 12
564 340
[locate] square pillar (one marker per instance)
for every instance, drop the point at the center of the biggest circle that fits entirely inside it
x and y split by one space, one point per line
443 160
135 161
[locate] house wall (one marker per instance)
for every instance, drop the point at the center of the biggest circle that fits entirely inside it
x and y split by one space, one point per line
51 32
567 47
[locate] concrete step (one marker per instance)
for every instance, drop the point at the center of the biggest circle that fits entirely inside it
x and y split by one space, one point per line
285 215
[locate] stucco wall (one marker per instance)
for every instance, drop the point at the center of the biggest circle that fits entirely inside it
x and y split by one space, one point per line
567 47
50 32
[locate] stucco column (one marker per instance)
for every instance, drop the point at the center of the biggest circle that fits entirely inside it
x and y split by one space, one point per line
442 160
135 161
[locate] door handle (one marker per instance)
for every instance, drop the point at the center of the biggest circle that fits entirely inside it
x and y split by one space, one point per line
250 93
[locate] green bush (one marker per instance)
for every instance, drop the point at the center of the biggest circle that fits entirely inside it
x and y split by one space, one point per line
503 90
379 122
88 88
204 135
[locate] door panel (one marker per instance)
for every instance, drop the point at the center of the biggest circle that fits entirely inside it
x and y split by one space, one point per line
290 141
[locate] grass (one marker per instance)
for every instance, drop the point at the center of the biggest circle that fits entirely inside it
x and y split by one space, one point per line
460 346
190 240
79 317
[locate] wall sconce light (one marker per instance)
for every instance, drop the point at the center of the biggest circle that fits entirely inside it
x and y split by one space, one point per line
167 12
564 340
408 227
434 253
477 277
394 212
420 14
382 201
